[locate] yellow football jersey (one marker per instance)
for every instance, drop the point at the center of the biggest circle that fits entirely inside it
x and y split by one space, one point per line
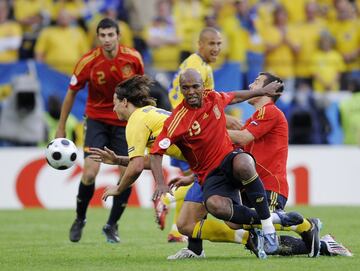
194 61
9 29
61 55
143 126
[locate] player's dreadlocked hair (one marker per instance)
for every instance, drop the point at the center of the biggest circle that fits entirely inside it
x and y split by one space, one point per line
136 90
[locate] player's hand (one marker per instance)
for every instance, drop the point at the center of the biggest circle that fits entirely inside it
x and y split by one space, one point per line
161 189
105 156
233 123
181 181
272 89
110 191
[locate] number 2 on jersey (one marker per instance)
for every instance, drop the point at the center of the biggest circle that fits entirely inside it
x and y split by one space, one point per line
101 78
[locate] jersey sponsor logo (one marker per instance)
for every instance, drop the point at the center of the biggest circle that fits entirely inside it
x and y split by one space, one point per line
164 143
131 149
254 123
217 112
73 80
127 71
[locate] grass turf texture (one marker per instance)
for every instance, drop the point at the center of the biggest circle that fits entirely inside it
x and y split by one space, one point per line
36 239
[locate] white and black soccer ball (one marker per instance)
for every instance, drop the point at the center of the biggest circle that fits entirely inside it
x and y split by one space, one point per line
61 153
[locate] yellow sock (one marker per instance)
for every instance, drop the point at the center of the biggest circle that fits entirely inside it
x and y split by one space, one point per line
217 231
179 195
305 226
166 199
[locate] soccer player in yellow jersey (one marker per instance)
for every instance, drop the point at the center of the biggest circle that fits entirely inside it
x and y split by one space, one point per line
145 122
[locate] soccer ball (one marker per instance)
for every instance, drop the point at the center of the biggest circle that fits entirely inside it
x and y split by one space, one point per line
61 153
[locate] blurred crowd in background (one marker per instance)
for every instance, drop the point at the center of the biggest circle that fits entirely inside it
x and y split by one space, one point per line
313 45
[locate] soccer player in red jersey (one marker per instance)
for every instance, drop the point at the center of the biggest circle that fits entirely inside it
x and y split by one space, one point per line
101 69
265 136
198 127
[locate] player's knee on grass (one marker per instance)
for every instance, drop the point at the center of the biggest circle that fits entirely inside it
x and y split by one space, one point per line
219 207
185 227
243 168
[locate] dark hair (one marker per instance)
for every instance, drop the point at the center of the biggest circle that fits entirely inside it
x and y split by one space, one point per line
107 23
136 90
271 78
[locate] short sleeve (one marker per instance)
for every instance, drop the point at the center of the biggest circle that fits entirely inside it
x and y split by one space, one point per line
137 135
265 119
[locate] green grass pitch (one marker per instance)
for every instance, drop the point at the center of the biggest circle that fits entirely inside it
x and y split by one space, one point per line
37 239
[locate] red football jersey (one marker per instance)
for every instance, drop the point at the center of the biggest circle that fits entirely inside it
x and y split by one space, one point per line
200 133
102 75
270 148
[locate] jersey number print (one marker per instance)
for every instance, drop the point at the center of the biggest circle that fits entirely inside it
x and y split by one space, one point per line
195 128
101 78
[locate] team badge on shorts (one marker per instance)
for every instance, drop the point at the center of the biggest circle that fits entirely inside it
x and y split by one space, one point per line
164 143
217 112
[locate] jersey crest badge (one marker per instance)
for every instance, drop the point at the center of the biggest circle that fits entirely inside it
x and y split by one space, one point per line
164 143
127 71
206 115
217 112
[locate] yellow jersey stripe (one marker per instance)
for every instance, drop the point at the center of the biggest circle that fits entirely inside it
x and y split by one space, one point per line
85 61
174 124
128 51
176 117
262 113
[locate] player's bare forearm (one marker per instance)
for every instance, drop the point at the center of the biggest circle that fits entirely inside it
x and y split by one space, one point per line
241 137
108 156
131 174
65 111
271 89
156 168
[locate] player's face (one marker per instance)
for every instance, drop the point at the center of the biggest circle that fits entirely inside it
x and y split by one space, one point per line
119 108
108 38
210 47
192 89
258 83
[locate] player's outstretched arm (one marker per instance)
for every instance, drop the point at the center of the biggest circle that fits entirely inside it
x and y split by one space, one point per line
108 156
132 172
156 168
65 111
241 137
271 89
